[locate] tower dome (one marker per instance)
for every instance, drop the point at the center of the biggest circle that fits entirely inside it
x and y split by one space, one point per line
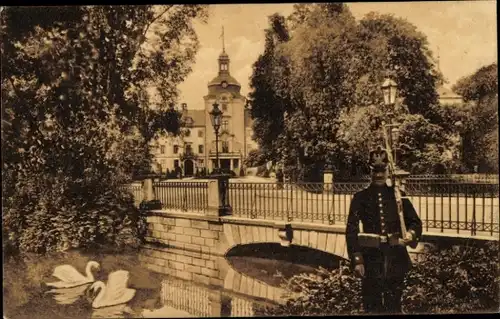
224 81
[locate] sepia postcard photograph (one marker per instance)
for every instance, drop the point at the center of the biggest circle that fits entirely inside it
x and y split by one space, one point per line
250 159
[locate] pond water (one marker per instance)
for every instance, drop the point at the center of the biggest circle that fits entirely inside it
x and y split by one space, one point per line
234 287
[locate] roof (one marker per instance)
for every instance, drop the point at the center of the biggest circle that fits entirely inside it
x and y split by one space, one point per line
198 116
445 93
224 77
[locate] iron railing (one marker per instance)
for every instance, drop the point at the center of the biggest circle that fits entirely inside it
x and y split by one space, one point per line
305 202
444 207
135 190
185 196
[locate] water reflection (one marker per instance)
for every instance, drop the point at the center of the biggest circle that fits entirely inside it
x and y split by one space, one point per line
117 311
67 296
213 286
184 298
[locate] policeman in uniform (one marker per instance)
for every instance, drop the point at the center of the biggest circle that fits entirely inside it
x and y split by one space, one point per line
373 235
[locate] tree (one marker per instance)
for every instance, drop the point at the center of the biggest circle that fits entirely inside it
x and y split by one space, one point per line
267 108
421 146
318 85
329 66
387 43
479 131
79 115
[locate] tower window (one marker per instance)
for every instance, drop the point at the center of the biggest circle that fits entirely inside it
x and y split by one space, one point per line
223 67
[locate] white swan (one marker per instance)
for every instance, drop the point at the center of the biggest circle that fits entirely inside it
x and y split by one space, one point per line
115 292
70 277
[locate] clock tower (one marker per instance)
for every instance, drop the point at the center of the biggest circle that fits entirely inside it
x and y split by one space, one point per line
225 91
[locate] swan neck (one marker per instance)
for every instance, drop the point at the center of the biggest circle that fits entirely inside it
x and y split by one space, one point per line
99 285
88 272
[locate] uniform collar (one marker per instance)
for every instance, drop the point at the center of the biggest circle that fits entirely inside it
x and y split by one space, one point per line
377 188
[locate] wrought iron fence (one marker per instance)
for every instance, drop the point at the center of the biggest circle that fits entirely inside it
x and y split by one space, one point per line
135 190
192 196
443 207
306 202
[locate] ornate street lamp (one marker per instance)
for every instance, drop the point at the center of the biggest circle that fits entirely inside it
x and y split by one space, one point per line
390 90
223 179
391 130
215 117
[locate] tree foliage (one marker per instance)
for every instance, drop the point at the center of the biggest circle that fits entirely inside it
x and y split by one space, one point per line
315 87
450 281
77 112
479 119
267 108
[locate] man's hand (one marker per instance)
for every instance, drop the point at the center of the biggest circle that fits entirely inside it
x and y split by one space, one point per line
359 270
408 237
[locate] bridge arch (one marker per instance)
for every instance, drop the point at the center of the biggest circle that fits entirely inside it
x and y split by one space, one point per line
329 240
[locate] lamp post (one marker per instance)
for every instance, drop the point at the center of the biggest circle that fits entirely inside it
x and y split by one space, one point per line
390 89
222 179
215 117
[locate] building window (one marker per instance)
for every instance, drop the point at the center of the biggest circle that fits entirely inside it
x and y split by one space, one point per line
225 125
235 163
200 149
188 133
176 163
223 67
201 162
176 149
189 150
225 147
162 149
224 107
200 133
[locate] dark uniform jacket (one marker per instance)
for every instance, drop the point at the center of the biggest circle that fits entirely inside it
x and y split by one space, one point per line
376 208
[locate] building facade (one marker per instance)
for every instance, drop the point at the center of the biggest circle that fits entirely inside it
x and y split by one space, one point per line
195 149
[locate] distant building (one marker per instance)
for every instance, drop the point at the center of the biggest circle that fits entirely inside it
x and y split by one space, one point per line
196 150
447 96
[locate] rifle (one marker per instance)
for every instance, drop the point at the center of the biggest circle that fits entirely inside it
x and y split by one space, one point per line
397 191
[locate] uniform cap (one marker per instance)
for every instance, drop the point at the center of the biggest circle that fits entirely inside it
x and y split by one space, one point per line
378 159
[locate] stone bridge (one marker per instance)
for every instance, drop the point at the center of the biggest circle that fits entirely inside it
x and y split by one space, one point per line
193 244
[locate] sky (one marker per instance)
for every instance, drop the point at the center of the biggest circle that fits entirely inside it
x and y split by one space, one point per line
463 32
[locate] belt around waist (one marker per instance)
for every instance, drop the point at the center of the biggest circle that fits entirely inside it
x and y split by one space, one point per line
376 240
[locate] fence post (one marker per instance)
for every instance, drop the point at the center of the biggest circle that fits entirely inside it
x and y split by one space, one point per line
327 179
218 193
147 188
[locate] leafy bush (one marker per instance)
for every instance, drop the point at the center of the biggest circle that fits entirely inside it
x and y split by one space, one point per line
327 292
65 215
450 281
254 158
454 280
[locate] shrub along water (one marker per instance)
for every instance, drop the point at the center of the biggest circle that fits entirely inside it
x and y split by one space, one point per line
450 281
